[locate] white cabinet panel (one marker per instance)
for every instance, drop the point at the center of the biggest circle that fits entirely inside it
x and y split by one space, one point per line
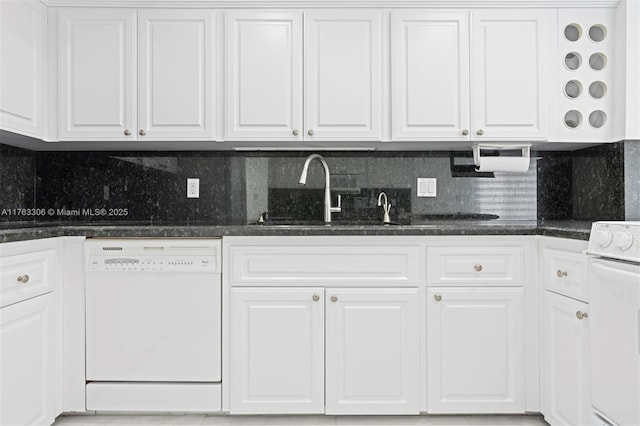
97 81
565 273
430 75
277 350
510 73
25 275
26 367
22 66
565 357
475 353
316 263
372 351
497 266
263 75
106 94
175 74
343 75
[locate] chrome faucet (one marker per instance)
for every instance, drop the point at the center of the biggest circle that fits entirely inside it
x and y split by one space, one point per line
386 207
327 186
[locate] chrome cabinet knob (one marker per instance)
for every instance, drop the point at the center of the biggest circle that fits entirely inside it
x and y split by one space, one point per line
480 132
295 132
127 132
561 274
23 278
437 297
310 132
580 315
465 132
334 298
315 297
142 132
477 267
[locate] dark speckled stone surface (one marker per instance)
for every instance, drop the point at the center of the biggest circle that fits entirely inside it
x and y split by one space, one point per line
587 184
144 193
575 230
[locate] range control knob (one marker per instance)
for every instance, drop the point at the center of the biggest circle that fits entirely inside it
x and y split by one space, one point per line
604 237
623 240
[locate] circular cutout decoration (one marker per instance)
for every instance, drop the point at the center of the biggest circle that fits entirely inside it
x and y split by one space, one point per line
597 33
573 89
572 32
597 118
597 89
598 61
573 119
573 60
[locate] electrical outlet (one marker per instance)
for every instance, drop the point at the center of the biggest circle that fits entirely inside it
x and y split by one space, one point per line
427 187
193 188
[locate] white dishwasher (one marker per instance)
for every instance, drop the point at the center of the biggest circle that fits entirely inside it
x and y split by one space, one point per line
153 324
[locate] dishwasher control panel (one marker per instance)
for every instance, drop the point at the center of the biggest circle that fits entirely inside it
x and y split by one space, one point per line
153 255
152 264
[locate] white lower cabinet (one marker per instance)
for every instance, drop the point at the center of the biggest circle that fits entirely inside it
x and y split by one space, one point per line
26 363
277 350
475 350
565 361
287 357
565 377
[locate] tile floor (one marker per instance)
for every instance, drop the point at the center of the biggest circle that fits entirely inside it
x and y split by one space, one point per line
222 420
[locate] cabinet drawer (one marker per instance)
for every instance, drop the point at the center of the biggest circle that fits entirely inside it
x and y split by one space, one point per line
316 264
24 276
482 266
566 273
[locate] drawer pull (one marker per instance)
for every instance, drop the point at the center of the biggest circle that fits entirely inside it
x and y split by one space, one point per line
315 297
437 297
561 274
334 298
580 315
478 267
23 279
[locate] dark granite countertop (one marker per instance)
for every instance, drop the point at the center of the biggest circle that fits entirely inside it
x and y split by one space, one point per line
19 231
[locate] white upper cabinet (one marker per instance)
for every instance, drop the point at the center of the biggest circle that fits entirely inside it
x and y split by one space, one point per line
263 75
343 75
100 75
484 80
22 66
339 57
430 75
97 81
510 74
175 74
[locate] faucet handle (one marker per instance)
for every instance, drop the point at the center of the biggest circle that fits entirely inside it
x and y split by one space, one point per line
338 208
263 216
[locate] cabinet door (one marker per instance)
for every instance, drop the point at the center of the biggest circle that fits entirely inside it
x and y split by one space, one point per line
97 82
343 75
510 72
565 361
277 350
175 74
475 350
372 351
23 25
25 362
430 75
264 75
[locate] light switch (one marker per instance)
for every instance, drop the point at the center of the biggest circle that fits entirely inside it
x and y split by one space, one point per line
427 187
193 188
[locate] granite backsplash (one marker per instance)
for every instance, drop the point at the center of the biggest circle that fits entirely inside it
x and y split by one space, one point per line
235 188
